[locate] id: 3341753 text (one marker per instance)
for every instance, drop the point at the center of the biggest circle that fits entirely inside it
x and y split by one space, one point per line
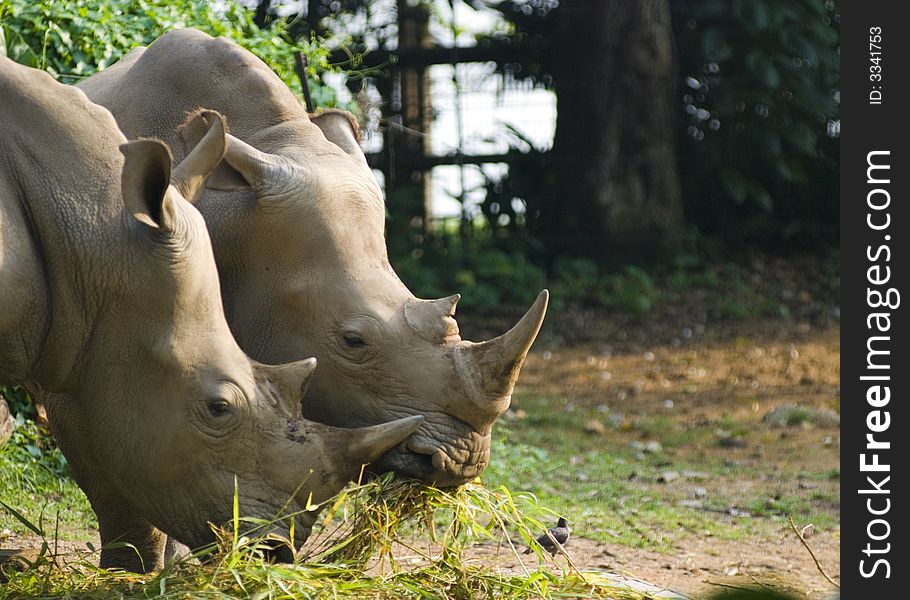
875 65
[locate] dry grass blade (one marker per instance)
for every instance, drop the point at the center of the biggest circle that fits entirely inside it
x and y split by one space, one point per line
818 565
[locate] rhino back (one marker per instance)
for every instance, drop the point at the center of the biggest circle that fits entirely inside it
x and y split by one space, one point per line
152 90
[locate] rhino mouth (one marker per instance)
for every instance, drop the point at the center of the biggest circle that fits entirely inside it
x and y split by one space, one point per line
277 547
271 528
444 463
275 538
264 522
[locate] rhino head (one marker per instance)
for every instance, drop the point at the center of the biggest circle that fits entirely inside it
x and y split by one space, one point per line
193 421
306 272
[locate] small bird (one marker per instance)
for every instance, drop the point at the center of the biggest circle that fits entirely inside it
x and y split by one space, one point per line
560 533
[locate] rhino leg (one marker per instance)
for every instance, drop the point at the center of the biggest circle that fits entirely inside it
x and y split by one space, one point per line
119 523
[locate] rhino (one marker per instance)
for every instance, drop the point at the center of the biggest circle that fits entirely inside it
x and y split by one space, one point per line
297 220
110 308
6 422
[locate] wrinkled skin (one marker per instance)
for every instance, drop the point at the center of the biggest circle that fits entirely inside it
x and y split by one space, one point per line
109 305
6 422
297 220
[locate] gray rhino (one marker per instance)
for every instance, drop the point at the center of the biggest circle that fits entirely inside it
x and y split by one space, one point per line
116 313
297 221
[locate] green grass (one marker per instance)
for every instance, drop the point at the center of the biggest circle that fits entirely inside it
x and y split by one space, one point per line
34 480
353 552
362 527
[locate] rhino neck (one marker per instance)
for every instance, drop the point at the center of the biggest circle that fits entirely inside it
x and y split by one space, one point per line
75 269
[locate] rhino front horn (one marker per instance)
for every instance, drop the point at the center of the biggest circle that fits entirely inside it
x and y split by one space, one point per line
489 369
367 444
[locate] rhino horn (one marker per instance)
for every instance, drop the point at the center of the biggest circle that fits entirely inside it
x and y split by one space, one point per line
446 306
433 319
489 369
366 444
189 177
291 381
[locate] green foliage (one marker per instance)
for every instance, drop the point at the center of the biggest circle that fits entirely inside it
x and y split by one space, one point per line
631 290
759 116
35 479
32 443
485 275
71 39
18 400
758 151
488 277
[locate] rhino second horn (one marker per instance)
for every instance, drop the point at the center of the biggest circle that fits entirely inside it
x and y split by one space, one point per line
446 306
367 444
292 380
433 320
489 369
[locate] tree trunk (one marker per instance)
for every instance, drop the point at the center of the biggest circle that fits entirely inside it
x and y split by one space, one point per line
614 172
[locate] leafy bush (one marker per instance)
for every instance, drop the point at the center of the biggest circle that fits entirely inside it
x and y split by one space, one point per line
484 275
71 39
18 400
32 443
759 149
631 290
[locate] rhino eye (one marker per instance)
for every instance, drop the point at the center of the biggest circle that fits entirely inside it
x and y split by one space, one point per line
219 407
352 340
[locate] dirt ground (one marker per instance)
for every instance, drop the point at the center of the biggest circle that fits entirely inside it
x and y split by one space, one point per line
736 372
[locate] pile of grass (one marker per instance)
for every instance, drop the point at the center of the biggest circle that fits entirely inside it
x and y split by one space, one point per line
355 551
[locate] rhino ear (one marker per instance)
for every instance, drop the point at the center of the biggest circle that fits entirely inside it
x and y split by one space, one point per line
144 183
341 128
262 172
243 168
193 131
189 177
